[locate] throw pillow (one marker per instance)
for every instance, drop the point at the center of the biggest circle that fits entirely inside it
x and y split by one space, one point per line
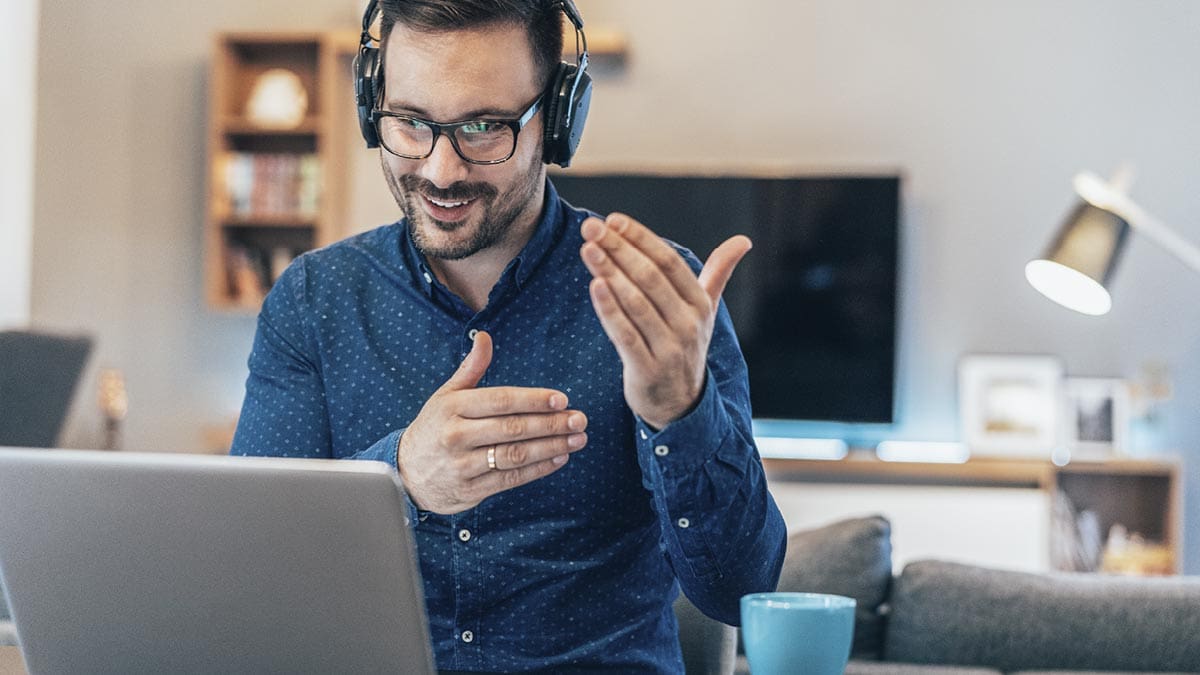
851 558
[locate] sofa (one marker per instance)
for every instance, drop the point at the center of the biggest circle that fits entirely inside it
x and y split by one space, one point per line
945 618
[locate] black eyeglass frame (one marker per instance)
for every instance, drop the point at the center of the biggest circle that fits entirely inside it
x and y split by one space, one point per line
450 128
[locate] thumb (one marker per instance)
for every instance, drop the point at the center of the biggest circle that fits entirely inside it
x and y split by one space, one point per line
473 366
719 266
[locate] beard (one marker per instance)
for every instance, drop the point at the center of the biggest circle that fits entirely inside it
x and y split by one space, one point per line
499 211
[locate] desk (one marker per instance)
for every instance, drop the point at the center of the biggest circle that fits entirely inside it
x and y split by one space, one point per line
11 662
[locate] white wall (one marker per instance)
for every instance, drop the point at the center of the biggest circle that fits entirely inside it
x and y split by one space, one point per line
18 54
988 107
992 526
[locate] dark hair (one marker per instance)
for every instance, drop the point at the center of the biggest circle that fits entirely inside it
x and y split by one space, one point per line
542 20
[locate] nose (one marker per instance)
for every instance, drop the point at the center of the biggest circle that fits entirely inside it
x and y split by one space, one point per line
444 167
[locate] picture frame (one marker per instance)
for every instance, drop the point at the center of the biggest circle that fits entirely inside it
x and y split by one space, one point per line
1098 416
1011 405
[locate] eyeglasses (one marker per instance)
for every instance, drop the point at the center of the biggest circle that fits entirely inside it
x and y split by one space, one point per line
483 141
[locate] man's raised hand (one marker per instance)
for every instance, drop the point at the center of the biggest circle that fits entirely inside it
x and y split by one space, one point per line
655 310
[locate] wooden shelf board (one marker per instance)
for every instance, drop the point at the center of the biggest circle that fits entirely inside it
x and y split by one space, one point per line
272 38
296 221
242 126
865 467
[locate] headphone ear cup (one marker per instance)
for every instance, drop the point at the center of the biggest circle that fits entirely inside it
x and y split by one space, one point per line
573 131
366 91
551 104
565 113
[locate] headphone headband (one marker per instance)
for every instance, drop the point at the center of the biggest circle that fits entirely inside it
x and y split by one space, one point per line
565 100
368 19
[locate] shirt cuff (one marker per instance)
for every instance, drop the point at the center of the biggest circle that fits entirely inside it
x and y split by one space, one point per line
386 450
686 444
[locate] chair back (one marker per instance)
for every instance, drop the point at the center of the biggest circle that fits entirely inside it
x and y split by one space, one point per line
38 375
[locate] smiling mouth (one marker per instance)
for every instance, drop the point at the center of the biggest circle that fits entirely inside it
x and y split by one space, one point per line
448 205
447 211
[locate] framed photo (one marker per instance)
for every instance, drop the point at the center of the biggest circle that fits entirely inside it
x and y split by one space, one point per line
1011 405
1097 416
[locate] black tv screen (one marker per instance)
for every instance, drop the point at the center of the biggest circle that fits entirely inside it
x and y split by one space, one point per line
814 302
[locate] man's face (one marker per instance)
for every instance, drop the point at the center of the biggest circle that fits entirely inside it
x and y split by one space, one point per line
456 208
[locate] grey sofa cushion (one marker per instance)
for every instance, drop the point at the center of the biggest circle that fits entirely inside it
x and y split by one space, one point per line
886 668
857 667
851 558
709 647
949 613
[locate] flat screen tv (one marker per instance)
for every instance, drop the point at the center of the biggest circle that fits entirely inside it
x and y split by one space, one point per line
814 302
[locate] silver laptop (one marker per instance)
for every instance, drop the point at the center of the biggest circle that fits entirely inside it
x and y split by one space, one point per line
156 563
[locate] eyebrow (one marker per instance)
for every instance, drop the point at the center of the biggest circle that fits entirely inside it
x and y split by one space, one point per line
396 107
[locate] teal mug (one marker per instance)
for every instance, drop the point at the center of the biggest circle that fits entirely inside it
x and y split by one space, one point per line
790 633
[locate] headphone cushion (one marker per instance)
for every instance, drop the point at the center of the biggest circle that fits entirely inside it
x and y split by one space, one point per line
579 105
555 112
366 91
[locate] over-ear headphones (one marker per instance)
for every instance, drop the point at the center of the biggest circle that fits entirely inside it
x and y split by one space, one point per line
565 100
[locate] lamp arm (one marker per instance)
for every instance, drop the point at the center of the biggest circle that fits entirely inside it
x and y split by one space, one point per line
1112 196
1156 231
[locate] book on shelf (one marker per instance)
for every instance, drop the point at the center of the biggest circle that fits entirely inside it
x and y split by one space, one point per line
271 185
250 271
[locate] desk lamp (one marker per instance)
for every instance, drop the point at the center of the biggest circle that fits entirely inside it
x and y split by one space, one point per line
1078 265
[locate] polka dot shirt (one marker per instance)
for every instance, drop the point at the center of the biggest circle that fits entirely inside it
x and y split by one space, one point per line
576 570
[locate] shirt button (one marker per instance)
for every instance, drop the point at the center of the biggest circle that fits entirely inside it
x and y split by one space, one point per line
467 636
643 433
472 333
464 535
683 522
428 278
661 450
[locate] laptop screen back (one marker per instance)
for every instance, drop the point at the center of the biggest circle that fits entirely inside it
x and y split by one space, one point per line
124 562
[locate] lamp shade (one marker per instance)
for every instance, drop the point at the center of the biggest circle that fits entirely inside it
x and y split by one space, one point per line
1078 265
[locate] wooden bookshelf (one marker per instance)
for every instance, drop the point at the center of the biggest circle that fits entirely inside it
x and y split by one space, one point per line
1143 495
274 191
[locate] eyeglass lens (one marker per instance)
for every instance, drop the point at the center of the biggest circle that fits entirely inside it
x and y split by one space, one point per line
480 141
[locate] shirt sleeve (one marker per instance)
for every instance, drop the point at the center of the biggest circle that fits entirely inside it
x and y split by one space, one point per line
721 530
284 413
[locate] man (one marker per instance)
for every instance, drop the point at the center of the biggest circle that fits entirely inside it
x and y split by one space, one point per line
563 398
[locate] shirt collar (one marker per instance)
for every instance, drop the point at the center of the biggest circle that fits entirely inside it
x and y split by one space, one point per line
549 230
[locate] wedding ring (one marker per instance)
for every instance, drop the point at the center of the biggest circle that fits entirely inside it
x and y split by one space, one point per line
492 458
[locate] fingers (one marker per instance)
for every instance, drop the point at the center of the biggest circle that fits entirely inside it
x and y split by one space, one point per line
654 319
511 456
495 401
719 266
478 433
652 264
471 370
630 342
492 482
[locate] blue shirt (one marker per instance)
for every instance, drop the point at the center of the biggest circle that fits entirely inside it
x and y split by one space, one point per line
578 569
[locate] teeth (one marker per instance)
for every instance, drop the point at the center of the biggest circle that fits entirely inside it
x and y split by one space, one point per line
447 205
